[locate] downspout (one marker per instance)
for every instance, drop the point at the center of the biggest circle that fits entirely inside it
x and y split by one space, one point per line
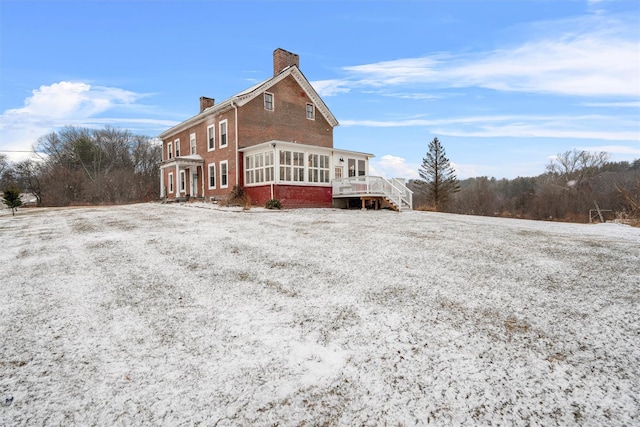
275 168
235 107
202 179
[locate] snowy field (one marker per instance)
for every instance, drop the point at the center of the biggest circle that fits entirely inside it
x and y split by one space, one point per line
187 315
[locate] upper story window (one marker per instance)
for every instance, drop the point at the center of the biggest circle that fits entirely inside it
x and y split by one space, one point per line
211 137
223 133
169 150
311 112
177 144
192 143
268 101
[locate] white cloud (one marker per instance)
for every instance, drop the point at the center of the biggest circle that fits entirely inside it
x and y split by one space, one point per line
630 104
330 87
66 103
390 166
601 127
530 131
65 99
592 56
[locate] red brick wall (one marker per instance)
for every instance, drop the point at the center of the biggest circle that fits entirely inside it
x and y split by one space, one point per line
219 154
288 120
283 59
259 195
292 196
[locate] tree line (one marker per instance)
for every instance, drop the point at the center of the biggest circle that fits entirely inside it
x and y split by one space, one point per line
574 183
87 166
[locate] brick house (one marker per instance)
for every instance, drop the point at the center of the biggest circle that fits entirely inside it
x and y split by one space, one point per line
275 139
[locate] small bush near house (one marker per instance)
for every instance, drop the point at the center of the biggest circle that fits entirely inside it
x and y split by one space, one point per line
239 197
273 204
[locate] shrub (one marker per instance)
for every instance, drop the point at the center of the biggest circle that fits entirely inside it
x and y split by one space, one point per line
239 197
273 204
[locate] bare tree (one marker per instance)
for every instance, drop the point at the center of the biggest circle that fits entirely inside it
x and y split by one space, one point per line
97 166
5 170
31 174
574 167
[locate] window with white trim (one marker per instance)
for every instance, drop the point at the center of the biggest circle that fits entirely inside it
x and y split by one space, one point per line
318 168
352 167
311 112
291 166
249 170
211 137
361 171
268 101
183 182
177 144
169 150
224 174
269 175
212 176
223 134
338 172
170 182
192 143
259 168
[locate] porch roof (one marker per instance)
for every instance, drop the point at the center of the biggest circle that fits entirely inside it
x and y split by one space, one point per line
183 161
287 144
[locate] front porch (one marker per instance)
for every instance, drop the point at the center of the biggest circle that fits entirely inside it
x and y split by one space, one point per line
374 191
184 178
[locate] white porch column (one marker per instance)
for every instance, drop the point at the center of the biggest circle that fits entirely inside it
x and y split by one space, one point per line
177 183
162 195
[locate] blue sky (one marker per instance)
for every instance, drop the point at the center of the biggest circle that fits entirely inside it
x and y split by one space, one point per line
504 85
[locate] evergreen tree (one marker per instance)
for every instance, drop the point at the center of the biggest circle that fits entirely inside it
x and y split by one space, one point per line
11 198
439 178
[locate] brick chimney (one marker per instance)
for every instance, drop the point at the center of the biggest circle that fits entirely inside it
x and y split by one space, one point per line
206 103
282 59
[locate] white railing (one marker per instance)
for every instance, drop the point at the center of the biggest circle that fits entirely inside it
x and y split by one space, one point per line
394 190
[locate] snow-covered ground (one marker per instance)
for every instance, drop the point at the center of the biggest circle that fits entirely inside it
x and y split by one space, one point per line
183 314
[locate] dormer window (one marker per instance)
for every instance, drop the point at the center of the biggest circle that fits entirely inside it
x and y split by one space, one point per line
311 112
268 101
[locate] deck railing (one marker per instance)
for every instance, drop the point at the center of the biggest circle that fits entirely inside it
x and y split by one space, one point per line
394 190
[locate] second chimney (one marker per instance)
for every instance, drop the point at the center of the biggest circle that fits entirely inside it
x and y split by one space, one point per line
206 103
283 59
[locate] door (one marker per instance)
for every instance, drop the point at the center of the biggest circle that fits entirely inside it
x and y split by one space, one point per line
194 184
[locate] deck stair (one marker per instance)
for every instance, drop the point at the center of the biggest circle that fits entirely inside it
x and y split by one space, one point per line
388 192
